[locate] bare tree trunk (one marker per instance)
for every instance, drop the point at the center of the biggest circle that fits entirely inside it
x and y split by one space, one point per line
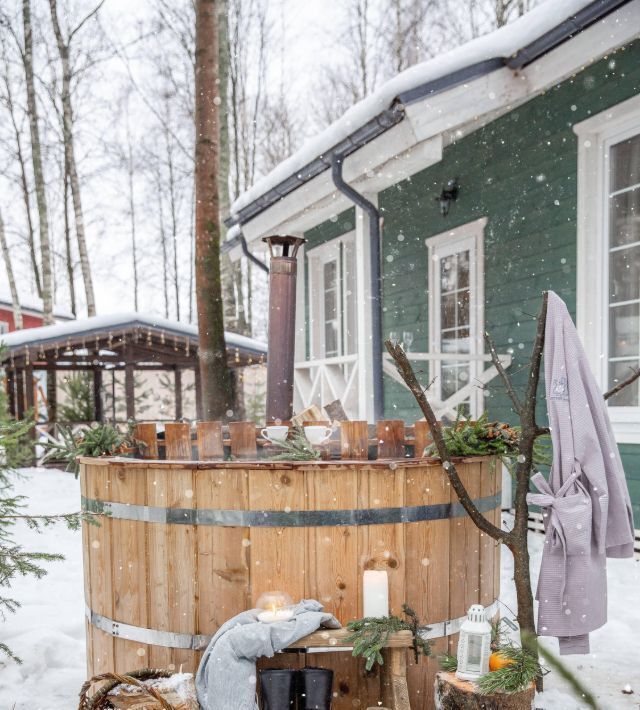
132 211
15 301
69 150
24 181
163 246
216 382
36 158
67 244
174 225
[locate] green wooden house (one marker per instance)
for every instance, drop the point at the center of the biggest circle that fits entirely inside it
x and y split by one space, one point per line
445 203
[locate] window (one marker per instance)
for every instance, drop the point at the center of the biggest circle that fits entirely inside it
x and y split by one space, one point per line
332 295
4 327
456 313
624 266
608 279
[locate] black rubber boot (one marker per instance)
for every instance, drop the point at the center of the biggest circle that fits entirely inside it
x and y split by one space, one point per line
278 689
314 689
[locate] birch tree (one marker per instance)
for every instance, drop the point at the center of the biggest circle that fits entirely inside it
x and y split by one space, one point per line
26 52
63 44
15 301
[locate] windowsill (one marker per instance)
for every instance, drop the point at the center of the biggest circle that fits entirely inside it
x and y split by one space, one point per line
625 422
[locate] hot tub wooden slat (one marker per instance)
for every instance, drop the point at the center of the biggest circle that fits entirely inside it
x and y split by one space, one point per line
464 552
427 565
487 544
129 578
278 555
223 553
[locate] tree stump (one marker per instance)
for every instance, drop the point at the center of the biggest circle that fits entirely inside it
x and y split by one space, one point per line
451 693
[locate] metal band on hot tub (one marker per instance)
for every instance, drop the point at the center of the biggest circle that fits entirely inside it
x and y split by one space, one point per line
283 519
199 642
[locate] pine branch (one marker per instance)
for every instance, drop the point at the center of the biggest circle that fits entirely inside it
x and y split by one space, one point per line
406 372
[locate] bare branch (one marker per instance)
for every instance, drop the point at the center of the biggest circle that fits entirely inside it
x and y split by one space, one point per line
635 374
86 19
495 358
406 372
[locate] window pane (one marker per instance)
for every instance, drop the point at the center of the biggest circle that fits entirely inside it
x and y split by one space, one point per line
330 272
624 218
463 308
463 343
330 305
448 274
618 372
448 312
625 163
624 275
330 338
449 384
624 329
463 269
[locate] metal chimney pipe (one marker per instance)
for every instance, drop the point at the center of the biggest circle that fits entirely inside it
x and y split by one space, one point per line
282 325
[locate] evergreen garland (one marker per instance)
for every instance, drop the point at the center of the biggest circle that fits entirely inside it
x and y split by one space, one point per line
296 448
371 634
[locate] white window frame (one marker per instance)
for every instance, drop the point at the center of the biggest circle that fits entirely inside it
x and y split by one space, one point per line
469 236
596 135
316 259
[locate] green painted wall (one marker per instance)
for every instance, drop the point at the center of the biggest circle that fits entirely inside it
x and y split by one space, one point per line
520 172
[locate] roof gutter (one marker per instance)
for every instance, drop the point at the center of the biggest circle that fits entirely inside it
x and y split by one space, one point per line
376 281
240 240
388 118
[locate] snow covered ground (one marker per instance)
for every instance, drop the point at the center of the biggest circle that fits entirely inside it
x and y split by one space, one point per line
48 631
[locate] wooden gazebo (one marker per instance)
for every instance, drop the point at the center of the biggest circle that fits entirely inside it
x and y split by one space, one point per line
126 342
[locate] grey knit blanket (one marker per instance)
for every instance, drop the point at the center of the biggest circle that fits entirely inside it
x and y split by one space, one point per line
226 678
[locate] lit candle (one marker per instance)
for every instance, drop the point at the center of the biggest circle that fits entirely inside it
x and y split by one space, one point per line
375 593
274 614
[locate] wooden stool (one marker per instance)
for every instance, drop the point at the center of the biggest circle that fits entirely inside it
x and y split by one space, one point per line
455 694
393 673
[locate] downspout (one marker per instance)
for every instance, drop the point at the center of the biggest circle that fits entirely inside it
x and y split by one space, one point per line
376 280
252 258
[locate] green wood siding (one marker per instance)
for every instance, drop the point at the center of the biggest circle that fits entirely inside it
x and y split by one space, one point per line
520 172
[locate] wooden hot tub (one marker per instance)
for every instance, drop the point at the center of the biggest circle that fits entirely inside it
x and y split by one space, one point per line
186 545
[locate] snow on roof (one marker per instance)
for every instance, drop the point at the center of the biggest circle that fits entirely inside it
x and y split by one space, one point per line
89 326
504 42
32 303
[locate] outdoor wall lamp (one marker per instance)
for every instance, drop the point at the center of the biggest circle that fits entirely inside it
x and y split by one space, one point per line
448 195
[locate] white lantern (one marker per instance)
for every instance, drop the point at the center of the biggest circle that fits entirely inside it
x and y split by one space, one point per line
474 645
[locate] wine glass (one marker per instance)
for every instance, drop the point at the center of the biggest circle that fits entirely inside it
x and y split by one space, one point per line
407 339
393 337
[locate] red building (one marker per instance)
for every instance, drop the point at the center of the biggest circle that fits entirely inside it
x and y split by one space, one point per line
31 313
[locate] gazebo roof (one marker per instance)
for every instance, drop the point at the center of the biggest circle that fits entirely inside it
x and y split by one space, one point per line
149 337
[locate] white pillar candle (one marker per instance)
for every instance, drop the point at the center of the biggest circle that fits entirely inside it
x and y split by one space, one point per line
375 593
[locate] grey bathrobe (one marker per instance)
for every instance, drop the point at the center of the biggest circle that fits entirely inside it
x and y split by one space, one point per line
226 678
586 501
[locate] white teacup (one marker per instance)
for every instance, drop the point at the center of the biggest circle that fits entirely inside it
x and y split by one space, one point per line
317 435
275 434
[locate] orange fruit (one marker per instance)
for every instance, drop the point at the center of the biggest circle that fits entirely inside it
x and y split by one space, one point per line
497 661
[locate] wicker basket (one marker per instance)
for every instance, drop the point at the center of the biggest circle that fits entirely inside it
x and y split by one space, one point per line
100 700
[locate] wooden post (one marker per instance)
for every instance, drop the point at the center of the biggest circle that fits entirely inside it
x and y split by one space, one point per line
11 392
390 435
210 446
146 433
423 437
52 395
30 394
177 390
129 385
20 393
393 677
177 439
97 394
243 440
354 440
198 384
